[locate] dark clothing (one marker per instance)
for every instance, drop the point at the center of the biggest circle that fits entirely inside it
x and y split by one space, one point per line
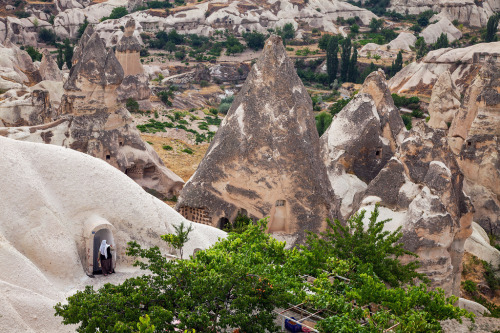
106 266
109 254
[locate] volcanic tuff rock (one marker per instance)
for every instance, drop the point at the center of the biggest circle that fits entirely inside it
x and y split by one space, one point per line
135 84
90 120
264 159
16 67
361 140
419 77
445 102
474 137
444 26
48 68
420 189
241 16
56 198
468 12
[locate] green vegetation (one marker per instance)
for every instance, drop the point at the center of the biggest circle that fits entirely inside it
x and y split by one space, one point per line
239 281
34 53
407 121
187 150
181 235
408 102
307 72
116 13
240 224
338 106
344 59
397 65
68 53
442 42
323 120
82 27
47 36
22 14
255 40
225 104
167 147
132 105
166 96
286 32
492 28
332 60
469 286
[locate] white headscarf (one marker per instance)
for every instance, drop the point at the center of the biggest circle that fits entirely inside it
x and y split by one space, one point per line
104 249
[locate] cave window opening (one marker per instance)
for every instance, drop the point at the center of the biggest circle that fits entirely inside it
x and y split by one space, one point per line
223 223
108 157
280 203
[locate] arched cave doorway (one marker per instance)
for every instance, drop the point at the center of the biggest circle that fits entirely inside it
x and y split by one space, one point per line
223 223
279 218
99 236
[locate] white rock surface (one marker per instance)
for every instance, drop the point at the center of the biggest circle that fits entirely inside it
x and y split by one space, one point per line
419 77
432 32
473 307
478 244
51 199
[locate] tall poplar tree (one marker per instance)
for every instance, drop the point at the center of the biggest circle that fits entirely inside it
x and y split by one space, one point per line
332 61
352 74
345 57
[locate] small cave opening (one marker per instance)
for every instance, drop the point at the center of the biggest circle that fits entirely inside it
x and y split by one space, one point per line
223 223
149 171
108 157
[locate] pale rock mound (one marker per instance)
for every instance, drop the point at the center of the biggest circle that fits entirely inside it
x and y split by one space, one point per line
478 244
420 189
16 67
444 26
90 120
265 158
57 201
445 102
48 68
31 106
390 50
474 137
469 12
361 140
418 78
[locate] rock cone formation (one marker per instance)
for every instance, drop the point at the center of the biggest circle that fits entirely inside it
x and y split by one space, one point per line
474 137
90 120
371 158
135 83
48 68
264 159
55 201
445 102
361 140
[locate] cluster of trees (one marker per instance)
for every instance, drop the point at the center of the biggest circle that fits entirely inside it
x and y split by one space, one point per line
492 28
241 280
116 13
347 67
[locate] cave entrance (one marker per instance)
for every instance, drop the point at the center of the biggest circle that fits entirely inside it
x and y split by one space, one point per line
99 236
223 223
279 218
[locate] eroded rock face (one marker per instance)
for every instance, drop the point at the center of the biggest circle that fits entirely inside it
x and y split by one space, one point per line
474 137
135 84
418 78
443 26
421 189
48 68
468 12
445 102
91 120
264 159
361 140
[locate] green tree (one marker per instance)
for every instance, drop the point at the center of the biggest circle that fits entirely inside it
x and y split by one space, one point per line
68 53
332 60
352 74
375 25
491 29
442 42
34 53
345 56
132 105
421 47
47 36
180 237
60 57
82 27
323 121
286 33
324 40
255 40
118 12
397 65
355 28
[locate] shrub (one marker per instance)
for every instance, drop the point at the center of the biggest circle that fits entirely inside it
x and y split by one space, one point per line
255 40
323 121
82 27
338 106
34 53
22 14
417 113
355 28
47 36
187 150
132 105
407 121
167 147
165 96
225 104
118 12
469 286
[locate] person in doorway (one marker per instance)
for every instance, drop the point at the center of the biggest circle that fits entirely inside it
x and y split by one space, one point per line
105 258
